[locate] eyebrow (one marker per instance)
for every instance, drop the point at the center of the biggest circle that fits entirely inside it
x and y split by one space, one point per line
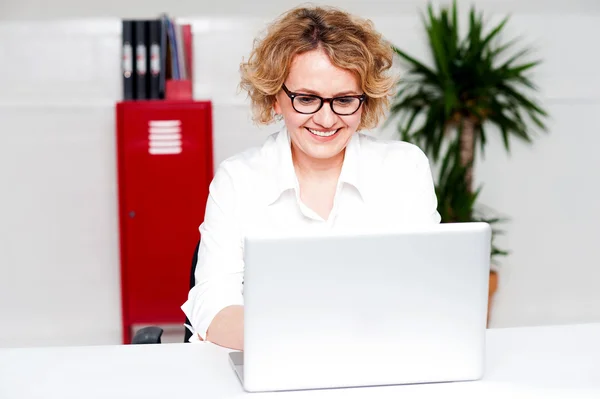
309 91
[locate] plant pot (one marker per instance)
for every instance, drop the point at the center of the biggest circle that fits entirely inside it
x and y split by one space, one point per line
493 287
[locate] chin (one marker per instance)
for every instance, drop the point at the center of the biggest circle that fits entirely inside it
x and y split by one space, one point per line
325 150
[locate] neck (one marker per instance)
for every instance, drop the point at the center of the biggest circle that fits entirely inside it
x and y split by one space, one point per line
312 167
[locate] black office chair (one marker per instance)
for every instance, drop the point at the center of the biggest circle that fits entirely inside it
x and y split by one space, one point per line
152 334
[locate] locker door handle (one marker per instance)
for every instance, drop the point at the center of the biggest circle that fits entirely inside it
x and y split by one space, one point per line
131 214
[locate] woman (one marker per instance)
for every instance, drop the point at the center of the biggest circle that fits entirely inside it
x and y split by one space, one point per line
325 73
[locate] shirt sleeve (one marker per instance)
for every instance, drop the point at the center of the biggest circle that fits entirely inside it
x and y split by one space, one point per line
220 268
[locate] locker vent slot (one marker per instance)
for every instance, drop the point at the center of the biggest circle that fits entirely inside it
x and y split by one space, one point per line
164 137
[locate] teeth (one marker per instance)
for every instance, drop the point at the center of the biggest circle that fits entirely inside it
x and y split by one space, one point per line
322 134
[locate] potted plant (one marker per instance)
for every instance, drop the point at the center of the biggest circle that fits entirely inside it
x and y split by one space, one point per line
474 87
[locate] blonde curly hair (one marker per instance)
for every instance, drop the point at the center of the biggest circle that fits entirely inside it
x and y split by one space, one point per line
350 42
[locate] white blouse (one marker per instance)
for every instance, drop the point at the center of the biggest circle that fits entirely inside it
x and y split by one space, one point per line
382 184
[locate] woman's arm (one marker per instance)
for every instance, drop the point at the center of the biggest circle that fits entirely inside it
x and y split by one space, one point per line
215 302
227 328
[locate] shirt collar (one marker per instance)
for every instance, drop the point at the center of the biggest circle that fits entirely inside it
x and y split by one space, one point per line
285 174
351 168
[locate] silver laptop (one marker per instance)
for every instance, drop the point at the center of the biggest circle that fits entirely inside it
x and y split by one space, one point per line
344 310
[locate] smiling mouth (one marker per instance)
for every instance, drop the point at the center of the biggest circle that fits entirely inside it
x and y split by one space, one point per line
323 134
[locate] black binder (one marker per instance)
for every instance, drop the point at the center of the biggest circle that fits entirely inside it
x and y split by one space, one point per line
141 59
128 60
156 71
164 55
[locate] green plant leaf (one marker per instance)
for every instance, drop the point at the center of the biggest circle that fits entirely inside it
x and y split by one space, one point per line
417 66
494 32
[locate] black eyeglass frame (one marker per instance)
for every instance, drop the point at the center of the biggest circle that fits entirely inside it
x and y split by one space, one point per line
292 95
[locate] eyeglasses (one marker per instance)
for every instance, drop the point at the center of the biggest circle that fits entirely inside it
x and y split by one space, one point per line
310 104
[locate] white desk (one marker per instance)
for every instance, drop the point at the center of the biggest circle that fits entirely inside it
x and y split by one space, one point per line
540 362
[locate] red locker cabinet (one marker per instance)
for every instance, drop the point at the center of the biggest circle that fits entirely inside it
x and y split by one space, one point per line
165 166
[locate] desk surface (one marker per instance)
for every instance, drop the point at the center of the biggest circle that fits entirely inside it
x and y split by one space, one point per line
534 362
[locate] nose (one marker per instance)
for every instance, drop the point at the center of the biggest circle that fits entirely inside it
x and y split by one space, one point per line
325 117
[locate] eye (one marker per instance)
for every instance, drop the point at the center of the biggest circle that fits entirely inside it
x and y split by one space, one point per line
306 100
345 101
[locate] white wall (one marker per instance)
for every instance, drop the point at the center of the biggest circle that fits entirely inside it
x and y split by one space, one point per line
64 9
60 78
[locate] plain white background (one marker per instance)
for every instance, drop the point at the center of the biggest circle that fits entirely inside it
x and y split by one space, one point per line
60 79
